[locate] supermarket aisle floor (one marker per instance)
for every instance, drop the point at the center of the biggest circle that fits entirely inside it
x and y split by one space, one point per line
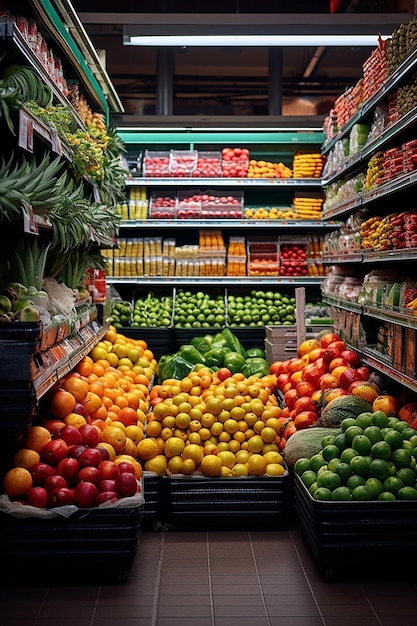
216 578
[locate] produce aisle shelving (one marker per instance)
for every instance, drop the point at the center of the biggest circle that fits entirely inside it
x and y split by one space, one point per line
392 194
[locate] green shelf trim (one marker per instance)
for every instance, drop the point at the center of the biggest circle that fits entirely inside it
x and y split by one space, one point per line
225 138
59 26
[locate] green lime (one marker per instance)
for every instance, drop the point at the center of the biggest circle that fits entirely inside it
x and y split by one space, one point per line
407 475
375 487
308 477
408 433
317 461
401 457
359 465
393 484
373 433
361 492
333 463
379 418
328 479
361 444
348 421
301 465
394 439
321 493
340 442
364 420
354 481
381 450
341 493
328 440
386 496
400 426
330 452
343 470
351 433
379 468
407 493
347 455
313 487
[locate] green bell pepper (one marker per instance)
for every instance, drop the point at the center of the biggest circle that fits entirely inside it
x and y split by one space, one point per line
175 366
255 367
203 344
232 341
215 356
254 352
234 361
191 354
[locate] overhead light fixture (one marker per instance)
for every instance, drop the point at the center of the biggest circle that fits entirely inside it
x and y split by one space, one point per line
267 30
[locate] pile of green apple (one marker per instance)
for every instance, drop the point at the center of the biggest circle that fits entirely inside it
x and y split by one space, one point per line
261 308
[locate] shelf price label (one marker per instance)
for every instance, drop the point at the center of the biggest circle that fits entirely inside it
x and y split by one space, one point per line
25 139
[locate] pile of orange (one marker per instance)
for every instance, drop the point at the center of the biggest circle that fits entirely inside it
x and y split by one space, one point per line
226 428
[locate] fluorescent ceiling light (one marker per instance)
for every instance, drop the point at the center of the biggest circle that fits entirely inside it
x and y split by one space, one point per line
243 29
252 40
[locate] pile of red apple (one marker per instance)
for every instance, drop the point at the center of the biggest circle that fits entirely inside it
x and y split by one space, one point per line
189 207
216 206
235 162
324 366
74 469
207 167
293 260
162 207
156 166
182 163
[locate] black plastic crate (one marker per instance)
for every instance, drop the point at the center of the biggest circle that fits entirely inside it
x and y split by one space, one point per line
20 331
343 535
159 340
155 507
17 408
98 541
16 360
239 502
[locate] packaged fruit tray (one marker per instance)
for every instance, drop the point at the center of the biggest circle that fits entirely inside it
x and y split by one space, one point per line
345 534
98 540
236 501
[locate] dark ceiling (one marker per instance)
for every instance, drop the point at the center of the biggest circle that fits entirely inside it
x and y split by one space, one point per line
229 81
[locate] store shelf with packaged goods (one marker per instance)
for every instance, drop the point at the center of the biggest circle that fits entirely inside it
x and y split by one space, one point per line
62 357
375 360
406 68
215 280
396 317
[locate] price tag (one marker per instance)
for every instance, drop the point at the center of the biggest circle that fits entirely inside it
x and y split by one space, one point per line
25 140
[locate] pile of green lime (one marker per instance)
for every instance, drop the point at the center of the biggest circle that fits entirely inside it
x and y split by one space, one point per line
373 458
261 308
153 310
121 314
199 310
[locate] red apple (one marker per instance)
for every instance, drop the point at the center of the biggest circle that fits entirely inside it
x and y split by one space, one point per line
352 357
305 404
305 419
76 451
316 353
54 426
108 469
38 497
106 485
54 451
85 494
364 372
313 371
90 456
61 496
330 353
105 456
290 398
348 376
125 484
89 434
337 345
337 362
40 472
54 482
107 496
304 389
329 338
68 468
80 410
89 474
126 467
70 435
282 380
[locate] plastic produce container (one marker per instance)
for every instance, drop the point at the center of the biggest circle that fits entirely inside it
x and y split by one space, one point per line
156 164
347 535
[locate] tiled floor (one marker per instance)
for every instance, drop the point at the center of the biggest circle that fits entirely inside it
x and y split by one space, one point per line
216 578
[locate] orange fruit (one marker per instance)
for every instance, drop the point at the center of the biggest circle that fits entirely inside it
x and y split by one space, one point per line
153 428
174 446
256 465
147 448
211 465
77 387
128 416
158 464
25 458
92 402
115 437
36 438
61 403
17 482
85 366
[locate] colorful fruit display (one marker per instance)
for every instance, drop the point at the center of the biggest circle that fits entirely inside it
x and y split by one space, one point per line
83 450
267 169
